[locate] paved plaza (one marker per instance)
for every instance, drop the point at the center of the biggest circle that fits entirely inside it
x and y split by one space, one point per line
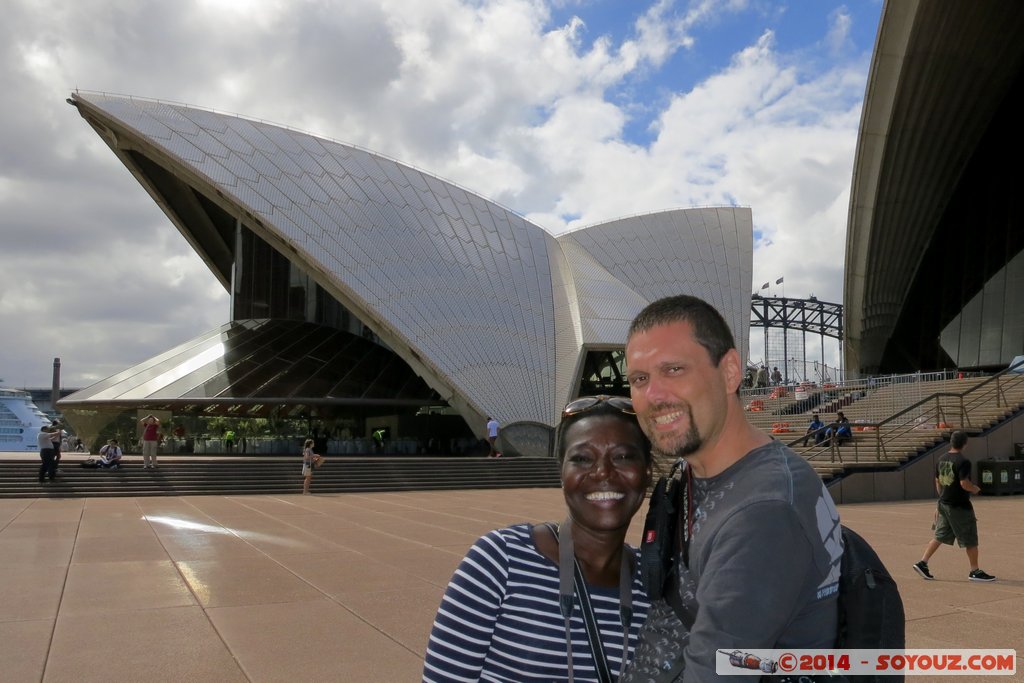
343 587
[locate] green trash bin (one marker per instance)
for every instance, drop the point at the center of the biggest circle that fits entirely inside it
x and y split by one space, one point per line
995 477
1016 476
986 477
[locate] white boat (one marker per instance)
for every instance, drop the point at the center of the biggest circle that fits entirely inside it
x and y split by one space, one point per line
20 421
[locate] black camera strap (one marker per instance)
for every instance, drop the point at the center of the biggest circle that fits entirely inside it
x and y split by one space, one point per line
573 583
684 534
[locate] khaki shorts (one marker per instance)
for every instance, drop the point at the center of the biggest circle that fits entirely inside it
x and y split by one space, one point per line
307 471
956 523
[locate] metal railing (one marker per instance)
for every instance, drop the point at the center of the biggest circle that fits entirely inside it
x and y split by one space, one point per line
891 393
940 413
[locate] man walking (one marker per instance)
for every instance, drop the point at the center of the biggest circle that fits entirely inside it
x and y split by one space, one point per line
492 437
954 518
760 536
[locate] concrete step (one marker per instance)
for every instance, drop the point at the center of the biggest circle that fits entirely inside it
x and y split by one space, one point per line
18 479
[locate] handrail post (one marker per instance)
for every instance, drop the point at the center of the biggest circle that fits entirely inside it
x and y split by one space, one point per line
835 447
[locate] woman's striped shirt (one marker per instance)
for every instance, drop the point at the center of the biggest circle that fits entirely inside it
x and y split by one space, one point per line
499 619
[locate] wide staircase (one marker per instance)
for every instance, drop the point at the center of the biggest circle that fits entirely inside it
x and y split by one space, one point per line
893 422
194 475
893 419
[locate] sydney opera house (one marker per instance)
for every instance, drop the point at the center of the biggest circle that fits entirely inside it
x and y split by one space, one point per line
935 246
367 292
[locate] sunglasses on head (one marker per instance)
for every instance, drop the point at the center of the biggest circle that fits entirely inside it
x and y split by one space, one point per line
582 405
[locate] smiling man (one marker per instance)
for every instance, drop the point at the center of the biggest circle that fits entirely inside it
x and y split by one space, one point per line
762 541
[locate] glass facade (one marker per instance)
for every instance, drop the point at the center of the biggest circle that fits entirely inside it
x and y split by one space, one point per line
291 358
266 284
289 374
268 361
990 329
604 372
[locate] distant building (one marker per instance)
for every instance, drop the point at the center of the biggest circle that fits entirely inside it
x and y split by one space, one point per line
41 397
362 287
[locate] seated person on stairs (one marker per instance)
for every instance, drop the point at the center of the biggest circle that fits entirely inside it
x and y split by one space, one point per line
839 432
817 428
110 455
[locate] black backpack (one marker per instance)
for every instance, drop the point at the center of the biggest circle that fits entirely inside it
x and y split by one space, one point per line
658 549
871 612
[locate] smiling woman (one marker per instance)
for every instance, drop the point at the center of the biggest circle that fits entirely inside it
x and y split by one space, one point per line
606 462
556 602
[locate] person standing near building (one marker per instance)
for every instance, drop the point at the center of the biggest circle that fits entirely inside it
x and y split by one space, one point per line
309 460
150 440
954 518
378 436
229 441
492 437
59 437
762 377
47 454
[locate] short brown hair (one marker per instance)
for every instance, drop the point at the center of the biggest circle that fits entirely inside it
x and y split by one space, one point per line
709 327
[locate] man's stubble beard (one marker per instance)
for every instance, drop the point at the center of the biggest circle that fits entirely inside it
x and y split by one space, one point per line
690 442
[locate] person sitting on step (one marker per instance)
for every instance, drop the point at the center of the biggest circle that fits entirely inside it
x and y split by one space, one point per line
110 455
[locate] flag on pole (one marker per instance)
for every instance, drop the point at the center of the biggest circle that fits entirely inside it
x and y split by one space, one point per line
765 285
779 281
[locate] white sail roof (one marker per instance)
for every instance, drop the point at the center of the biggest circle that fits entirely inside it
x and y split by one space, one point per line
491 310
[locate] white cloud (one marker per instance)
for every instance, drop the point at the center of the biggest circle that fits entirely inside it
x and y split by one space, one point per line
490 93
839 31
